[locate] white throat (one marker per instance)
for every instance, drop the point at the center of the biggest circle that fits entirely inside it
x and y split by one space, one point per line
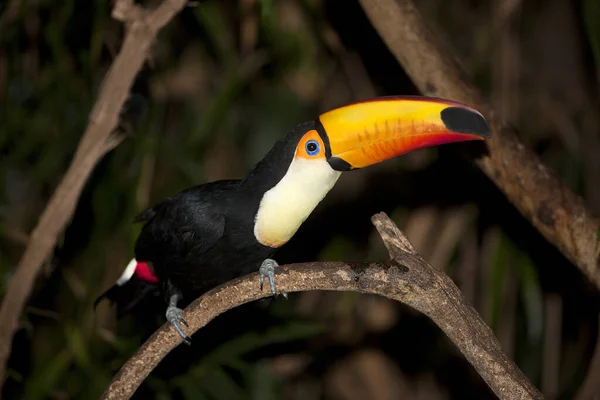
287 205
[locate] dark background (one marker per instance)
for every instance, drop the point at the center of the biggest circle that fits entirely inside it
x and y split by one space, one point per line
225 80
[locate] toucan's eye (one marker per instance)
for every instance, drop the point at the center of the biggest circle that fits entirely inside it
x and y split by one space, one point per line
312 147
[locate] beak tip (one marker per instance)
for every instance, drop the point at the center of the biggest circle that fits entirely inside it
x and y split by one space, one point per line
463 120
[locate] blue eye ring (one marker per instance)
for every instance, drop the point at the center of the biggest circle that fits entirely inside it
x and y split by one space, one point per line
312 147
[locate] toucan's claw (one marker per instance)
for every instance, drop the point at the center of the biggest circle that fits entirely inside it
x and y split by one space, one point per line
175 317
267 269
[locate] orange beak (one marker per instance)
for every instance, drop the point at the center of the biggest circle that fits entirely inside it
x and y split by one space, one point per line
366 133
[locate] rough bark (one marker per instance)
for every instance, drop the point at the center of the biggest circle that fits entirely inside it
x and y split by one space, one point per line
406 278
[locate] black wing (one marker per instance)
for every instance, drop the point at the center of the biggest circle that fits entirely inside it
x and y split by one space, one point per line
178 230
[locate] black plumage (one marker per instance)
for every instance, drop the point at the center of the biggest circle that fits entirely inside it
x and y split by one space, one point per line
204 236
128 296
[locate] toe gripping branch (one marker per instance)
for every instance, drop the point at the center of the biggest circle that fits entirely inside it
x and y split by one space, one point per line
267 269
174 314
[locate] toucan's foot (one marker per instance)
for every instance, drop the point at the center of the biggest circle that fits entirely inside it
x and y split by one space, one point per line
175 317
267 269
174 314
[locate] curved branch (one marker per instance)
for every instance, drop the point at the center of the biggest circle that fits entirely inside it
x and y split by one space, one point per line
537 192
406 278
97 140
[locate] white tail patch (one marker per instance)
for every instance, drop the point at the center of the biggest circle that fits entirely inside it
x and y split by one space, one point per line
128 273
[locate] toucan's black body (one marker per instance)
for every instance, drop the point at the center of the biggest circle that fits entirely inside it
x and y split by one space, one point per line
212 233
202 237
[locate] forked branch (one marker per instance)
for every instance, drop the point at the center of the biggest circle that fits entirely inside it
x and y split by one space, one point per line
406 278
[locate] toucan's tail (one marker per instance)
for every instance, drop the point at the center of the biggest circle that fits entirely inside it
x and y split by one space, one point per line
134 285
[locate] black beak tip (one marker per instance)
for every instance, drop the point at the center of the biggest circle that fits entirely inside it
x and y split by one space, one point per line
463 120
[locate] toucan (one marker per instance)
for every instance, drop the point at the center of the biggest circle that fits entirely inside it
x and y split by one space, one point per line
214 232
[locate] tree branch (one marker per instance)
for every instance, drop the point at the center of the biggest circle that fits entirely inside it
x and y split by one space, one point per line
406 278
536 191
97 140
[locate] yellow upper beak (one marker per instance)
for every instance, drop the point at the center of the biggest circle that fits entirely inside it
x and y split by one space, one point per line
365 133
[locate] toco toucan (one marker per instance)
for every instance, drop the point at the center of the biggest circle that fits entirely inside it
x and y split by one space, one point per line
217 231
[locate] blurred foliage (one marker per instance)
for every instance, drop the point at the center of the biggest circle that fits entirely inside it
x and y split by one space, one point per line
224 81
591 15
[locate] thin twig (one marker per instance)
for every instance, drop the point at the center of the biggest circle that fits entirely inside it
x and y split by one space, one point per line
406 278
97 140
554 210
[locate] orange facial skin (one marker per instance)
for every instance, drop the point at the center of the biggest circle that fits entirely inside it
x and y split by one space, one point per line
310 138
